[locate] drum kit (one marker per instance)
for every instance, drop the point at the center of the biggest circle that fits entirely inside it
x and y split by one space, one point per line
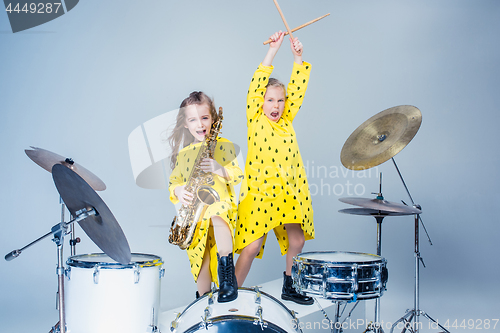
112 291
120 291
348 276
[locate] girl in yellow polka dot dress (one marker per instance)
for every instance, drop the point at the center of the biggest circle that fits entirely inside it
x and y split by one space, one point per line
211 251
275 192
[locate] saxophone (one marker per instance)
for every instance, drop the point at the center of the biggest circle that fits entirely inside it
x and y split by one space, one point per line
184 224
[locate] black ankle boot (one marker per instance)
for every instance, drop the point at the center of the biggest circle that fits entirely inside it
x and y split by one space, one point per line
228 287
288 292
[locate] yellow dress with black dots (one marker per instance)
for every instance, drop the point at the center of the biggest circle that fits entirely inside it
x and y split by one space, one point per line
275 190
225 155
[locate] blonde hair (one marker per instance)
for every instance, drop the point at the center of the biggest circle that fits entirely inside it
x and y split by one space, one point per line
276 83
180 134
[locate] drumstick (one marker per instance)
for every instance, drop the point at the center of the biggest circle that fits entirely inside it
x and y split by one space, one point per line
283 18
299 27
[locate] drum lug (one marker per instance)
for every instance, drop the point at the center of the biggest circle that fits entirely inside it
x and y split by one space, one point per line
258 296
211 296
162 272
260 322
137 273
174 323
295 320
324 280
67 273
95 275
205 322
355 285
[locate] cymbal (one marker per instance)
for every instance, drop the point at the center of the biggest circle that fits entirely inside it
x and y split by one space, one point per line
102 227
371 212
47 160
381 137
382 205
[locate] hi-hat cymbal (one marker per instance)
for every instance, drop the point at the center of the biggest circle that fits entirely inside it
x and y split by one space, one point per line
102 227
381 204
381 137
371 212
47 160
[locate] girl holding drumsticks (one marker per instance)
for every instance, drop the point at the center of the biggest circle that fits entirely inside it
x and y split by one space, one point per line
275 192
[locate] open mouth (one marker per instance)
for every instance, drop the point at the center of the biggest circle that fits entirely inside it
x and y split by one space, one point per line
202 132
275 114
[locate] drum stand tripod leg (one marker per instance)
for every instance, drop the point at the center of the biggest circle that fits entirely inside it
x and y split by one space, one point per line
60 290
412 317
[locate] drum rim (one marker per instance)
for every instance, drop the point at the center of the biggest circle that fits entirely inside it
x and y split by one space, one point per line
300 257
194 328
152 261
292 314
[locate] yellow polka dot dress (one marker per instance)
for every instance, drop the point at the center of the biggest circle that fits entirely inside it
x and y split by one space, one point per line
275 190
225 155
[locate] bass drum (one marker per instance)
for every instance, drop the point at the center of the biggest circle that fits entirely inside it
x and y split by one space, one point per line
102 295
252 311
344 276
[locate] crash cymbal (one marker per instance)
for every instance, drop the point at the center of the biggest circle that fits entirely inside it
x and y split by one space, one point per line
371 212
47 160
381 137
102 227
381 204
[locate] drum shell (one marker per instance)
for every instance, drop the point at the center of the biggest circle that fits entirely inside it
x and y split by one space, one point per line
104 296
239 315
340 279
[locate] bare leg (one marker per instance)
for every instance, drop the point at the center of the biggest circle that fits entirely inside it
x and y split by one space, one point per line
223 236
228 288
245 260
204 281
296 242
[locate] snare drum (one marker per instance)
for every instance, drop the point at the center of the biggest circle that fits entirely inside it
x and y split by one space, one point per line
102 295
344 276
252 311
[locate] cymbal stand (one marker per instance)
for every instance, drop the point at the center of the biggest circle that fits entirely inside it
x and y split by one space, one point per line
375 327
73 239
412 317
58 231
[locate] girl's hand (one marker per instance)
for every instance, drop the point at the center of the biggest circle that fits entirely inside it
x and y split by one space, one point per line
184 196
211 165
297 49
277 39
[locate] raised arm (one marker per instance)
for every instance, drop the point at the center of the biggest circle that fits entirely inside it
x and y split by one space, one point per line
274 46
297 49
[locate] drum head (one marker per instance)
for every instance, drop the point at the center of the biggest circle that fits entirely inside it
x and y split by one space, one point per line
103 260
334 257
238 324
239 315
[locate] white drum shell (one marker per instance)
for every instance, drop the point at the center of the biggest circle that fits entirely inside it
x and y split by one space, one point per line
223 316
110 297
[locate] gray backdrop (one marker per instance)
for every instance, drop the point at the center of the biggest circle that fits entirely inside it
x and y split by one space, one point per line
79 85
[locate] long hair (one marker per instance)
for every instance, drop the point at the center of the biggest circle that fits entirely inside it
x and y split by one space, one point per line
180 134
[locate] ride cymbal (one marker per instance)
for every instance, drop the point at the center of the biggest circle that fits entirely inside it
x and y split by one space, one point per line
102 227
47 159
381 137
